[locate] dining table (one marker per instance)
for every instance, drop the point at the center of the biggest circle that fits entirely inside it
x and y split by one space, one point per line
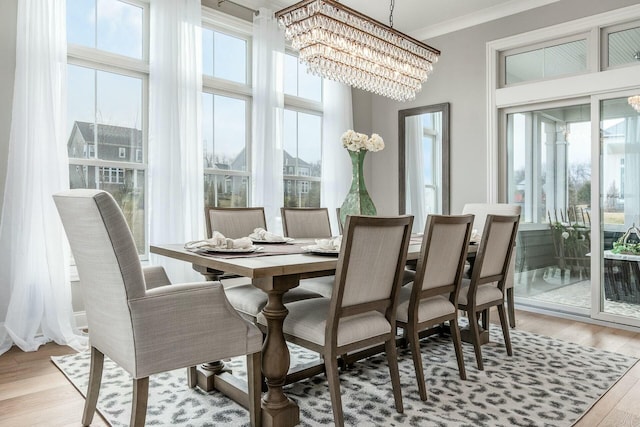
274 269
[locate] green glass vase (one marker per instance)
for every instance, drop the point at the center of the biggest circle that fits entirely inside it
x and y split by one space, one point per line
358 201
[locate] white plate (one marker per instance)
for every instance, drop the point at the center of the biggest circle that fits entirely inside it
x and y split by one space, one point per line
319 251
273 242
235 250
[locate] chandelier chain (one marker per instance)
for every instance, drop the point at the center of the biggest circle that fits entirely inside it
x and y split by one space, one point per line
391 6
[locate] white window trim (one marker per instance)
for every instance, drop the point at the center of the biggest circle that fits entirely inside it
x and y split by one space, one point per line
562 88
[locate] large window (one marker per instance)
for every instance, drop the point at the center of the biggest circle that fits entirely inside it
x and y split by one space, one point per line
107 97
226 117
302 157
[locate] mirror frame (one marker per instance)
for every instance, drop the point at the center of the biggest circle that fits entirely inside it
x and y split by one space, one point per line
402 115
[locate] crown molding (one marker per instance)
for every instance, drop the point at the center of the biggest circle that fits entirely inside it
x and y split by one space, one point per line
480 17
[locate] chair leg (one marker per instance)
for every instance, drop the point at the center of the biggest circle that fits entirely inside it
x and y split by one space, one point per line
510 307
457 344
139 403
95 378
475 336
414 343
254 379
331 368
505 329
392 360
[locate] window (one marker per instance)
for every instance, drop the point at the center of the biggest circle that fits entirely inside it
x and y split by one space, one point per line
225 134
226 112
224 56
302 156
621 45
554 60
107 97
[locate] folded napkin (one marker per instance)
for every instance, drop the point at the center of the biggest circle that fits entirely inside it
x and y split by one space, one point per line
262 234
218 241
332 244
475 236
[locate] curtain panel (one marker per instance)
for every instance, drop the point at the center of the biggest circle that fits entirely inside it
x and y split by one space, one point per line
267 188
175 144
35 292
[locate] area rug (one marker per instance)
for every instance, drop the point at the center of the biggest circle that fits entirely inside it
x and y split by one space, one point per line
547 382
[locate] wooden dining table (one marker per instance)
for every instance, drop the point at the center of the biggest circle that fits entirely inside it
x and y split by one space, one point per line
274 274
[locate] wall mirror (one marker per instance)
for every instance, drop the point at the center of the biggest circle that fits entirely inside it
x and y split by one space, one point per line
423 153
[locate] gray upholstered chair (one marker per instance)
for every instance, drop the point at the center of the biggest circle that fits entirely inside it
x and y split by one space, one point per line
432 298
243 296
304 223
234 223
486 288
480 211
137 317
362 309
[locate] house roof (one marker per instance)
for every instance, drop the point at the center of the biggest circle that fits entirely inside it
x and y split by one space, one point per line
109 134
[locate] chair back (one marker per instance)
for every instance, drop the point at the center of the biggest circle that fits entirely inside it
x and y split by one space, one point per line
442 257
108 266
481 210
306 222
234 223
494 252
370 267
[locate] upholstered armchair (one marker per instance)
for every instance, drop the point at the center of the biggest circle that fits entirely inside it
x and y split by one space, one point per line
137 318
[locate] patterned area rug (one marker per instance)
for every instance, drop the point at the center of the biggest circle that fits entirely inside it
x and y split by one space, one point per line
546 383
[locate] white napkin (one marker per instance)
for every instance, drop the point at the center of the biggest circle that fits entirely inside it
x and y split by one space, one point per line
332 244
262 234
218 241
475 236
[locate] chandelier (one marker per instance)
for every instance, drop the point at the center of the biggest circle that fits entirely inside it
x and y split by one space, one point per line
342 44
634 101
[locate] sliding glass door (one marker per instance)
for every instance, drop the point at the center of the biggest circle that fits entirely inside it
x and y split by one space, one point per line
549 176
618 298
575 171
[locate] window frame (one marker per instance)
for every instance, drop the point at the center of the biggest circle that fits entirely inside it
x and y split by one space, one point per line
604 44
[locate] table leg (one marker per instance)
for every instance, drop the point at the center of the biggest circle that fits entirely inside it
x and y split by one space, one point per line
277 408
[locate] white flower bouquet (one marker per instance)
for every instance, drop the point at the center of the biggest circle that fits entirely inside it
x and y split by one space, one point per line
354 141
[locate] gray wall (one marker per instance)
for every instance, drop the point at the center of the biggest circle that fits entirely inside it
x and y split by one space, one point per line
8 13
459 78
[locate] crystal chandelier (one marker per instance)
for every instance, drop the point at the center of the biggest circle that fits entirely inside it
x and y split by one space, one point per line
342 44
634 101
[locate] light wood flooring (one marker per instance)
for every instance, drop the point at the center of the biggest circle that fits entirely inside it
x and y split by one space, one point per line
33 392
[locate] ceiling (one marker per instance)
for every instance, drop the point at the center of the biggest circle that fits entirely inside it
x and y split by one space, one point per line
424 19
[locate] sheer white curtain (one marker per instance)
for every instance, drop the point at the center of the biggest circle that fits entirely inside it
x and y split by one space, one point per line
336 164
268 107
414 170
175 143
35 293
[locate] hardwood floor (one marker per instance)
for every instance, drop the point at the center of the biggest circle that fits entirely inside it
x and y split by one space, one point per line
33 392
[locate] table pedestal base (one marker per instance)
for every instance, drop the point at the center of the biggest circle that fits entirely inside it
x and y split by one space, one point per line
287 415
467 335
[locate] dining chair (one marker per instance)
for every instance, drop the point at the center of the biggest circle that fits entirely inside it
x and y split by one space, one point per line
486 287
301 223
304 223
234 223
362 310
432 298
480 211
137 318
243 296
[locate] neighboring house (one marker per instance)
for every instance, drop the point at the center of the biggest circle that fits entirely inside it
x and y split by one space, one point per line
106 143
